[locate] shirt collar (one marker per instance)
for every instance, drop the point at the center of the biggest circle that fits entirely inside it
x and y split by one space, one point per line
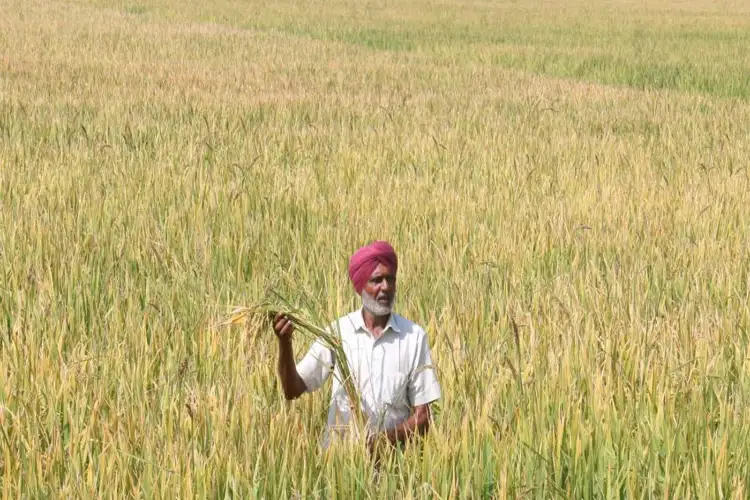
359 322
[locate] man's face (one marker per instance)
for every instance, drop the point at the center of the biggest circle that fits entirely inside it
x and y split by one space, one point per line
380 291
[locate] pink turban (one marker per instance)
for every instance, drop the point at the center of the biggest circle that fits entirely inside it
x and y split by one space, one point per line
364 261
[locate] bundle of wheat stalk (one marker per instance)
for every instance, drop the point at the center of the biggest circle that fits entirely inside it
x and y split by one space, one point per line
306 323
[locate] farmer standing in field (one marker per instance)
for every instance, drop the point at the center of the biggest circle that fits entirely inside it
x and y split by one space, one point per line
388 355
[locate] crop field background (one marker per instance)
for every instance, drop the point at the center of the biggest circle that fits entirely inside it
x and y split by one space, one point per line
578 168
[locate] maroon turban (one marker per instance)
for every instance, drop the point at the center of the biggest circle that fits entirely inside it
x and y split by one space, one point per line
364 261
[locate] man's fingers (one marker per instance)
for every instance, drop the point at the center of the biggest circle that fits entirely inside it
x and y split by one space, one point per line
283 326
288 328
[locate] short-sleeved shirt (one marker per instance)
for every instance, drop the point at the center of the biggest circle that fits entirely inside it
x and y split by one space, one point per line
392 373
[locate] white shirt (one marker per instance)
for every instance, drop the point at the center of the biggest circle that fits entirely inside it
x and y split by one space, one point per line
392 373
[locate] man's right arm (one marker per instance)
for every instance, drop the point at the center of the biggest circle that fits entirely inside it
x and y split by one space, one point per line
291 382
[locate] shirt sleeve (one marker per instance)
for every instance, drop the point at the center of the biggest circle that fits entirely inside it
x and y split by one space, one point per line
423 384
316 366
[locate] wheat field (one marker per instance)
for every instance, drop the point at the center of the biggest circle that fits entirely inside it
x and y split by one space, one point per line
577 169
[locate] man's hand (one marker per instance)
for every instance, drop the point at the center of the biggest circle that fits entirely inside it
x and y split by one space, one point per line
416 425
291 382
282 326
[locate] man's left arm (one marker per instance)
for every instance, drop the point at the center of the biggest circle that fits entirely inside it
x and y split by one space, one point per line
418 423
422 389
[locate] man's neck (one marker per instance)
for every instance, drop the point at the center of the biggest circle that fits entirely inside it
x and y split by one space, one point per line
375 324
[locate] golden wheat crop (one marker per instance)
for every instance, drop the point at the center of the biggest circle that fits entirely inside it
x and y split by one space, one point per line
576 169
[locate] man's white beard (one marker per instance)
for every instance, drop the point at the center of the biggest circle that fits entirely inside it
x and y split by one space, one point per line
376 308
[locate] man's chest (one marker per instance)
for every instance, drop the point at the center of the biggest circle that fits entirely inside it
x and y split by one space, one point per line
381 369
370 357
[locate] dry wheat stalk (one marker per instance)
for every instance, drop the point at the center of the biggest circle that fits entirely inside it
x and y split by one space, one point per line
305 322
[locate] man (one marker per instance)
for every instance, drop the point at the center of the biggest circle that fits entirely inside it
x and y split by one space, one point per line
388 356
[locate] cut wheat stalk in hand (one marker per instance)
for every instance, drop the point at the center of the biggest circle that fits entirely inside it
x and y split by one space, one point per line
306 324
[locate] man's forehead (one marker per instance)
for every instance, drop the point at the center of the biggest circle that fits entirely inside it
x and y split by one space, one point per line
382 270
